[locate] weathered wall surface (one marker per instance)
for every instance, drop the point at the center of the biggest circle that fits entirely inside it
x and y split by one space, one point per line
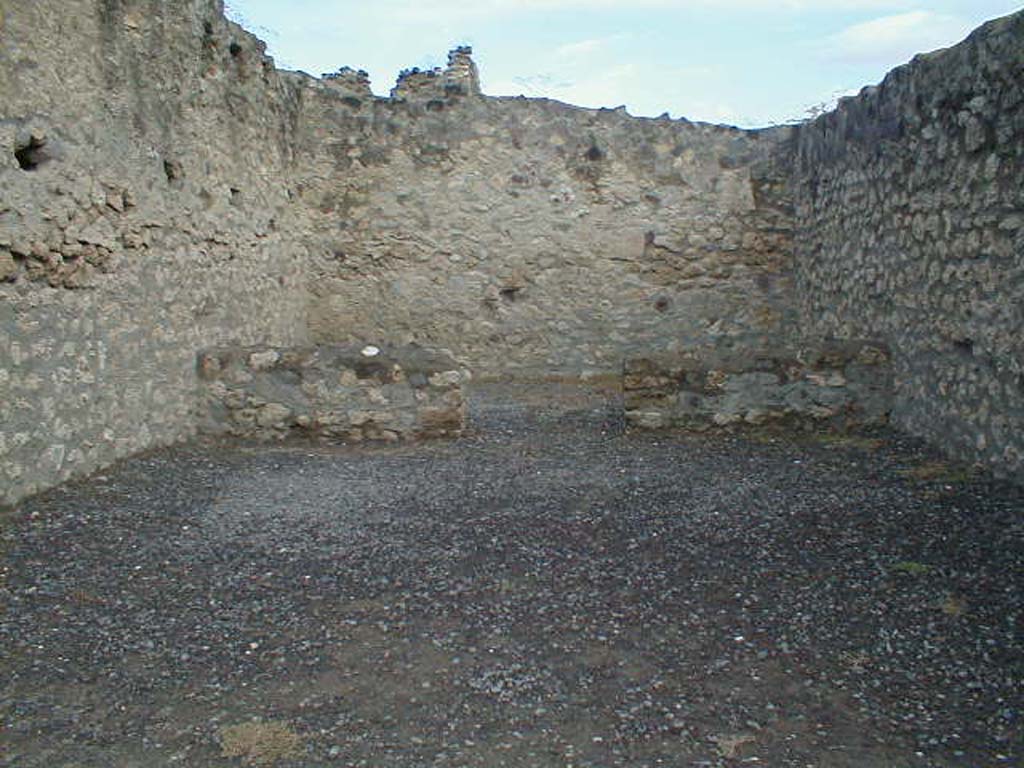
911 229
144 155
531 237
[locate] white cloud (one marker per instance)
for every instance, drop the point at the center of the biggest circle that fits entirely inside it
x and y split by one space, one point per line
416 10
607 87
582 49
543 85
645 91
636 4
891 40
604 88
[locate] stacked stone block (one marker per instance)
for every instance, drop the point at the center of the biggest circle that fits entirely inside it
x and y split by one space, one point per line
332 393
837 384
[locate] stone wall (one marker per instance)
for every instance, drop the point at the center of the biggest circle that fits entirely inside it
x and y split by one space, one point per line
145 149
911 229
534 238
339 394
165 190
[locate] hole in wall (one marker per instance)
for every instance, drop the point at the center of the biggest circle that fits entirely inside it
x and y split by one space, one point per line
173 171
661 304
435 105
235 49
207 28
510 294
236 196
594 154
965 346
31 154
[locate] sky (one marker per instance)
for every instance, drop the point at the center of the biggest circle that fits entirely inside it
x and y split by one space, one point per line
743 62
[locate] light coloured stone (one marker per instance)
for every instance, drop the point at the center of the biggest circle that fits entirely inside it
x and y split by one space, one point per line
273 415
261 361
646 419
359 418
8 266
445 379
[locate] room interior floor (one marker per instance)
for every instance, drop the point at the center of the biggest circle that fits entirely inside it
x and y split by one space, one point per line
550 590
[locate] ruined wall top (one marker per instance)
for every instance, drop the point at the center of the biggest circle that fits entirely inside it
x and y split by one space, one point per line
459 78
462 70
351 82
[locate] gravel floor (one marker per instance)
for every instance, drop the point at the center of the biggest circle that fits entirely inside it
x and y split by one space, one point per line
547 592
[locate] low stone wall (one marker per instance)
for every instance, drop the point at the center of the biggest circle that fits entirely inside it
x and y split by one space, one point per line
835 383
332 393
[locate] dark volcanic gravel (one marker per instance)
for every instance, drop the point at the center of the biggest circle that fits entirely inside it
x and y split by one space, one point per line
547 592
